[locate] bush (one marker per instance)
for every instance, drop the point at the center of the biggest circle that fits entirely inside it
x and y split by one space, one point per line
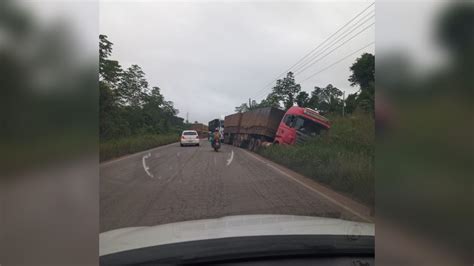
343 158
114 148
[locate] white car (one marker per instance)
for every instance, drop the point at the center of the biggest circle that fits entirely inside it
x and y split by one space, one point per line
189 137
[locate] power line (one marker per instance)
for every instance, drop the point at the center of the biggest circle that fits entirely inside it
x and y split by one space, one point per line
303 67
317 47
319 59
358 33
337 62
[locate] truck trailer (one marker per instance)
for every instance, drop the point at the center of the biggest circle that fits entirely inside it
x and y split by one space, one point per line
202 130
269 125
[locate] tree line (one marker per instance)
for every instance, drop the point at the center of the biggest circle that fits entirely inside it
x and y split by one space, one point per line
128 105
329 99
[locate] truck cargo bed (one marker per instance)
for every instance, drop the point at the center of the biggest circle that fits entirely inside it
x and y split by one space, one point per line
262 121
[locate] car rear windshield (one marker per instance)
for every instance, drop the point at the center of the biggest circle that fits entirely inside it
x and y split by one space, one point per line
189 133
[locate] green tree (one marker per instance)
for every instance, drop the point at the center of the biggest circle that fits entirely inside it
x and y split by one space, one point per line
168 108
351 103
286 90
245 107
242 108
366 99
363 75
133 86
363 71
109 70
326 100
127 105
154 98
152 111
302 99
272 100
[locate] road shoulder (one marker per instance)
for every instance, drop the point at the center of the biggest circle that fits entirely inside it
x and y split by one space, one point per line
354 207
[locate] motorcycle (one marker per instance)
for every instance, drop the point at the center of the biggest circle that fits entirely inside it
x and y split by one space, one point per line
216 145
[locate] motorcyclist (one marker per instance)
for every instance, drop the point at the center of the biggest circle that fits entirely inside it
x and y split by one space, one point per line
216 136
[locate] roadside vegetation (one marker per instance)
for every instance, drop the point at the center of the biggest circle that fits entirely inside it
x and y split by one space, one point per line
133 115
118 147
342 159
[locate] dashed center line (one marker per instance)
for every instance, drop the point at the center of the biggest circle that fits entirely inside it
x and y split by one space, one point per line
229 161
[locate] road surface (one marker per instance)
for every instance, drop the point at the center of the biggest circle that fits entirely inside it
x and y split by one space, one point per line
172 183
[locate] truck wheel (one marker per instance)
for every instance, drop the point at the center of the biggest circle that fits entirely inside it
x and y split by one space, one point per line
251 144
258 143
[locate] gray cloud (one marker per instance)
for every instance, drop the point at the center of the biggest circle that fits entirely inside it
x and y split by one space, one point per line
210 57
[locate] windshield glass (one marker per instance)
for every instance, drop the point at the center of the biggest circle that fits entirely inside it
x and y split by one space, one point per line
308 127
160 87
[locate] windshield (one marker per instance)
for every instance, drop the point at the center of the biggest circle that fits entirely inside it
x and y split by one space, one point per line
163 84
308 127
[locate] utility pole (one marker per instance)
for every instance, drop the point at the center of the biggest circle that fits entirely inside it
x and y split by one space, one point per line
250 103
187 117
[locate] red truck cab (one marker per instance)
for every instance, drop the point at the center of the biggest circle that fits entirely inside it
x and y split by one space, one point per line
298 124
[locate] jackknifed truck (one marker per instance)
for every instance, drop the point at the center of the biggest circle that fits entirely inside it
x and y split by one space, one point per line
269 125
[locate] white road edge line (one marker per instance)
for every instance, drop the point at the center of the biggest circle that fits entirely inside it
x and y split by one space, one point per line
229 161
145 166
311 188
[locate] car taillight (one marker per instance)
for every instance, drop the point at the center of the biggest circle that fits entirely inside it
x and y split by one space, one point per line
182 137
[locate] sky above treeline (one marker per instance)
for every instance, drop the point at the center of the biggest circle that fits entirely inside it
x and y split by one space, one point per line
210 57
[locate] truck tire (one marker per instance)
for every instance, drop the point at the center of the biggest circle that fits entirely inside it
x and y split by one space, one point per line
258 144
251 144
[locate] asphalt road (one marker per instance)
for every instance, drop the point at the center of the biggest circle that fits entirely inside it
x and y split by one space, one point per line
173 183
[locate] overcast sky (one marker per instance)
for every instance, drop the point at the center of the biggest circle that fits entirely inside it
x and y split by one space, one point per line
210 57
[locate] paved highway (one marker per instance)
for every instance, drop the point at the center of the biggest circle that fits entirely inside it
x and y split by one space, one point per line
172 183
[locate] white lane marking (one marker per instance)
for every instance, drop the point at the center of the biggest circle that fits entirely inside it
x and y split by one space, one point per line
229 161
311 188
145 166
177 154
215 161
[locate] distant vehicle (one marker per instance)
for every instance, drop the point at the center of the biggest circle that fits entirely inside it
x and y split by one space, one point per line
268 125
189 137
201 129
217 123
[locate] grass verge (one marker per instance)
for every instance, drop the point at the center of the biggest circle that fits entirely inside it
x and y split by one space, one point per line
118 147
343 158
